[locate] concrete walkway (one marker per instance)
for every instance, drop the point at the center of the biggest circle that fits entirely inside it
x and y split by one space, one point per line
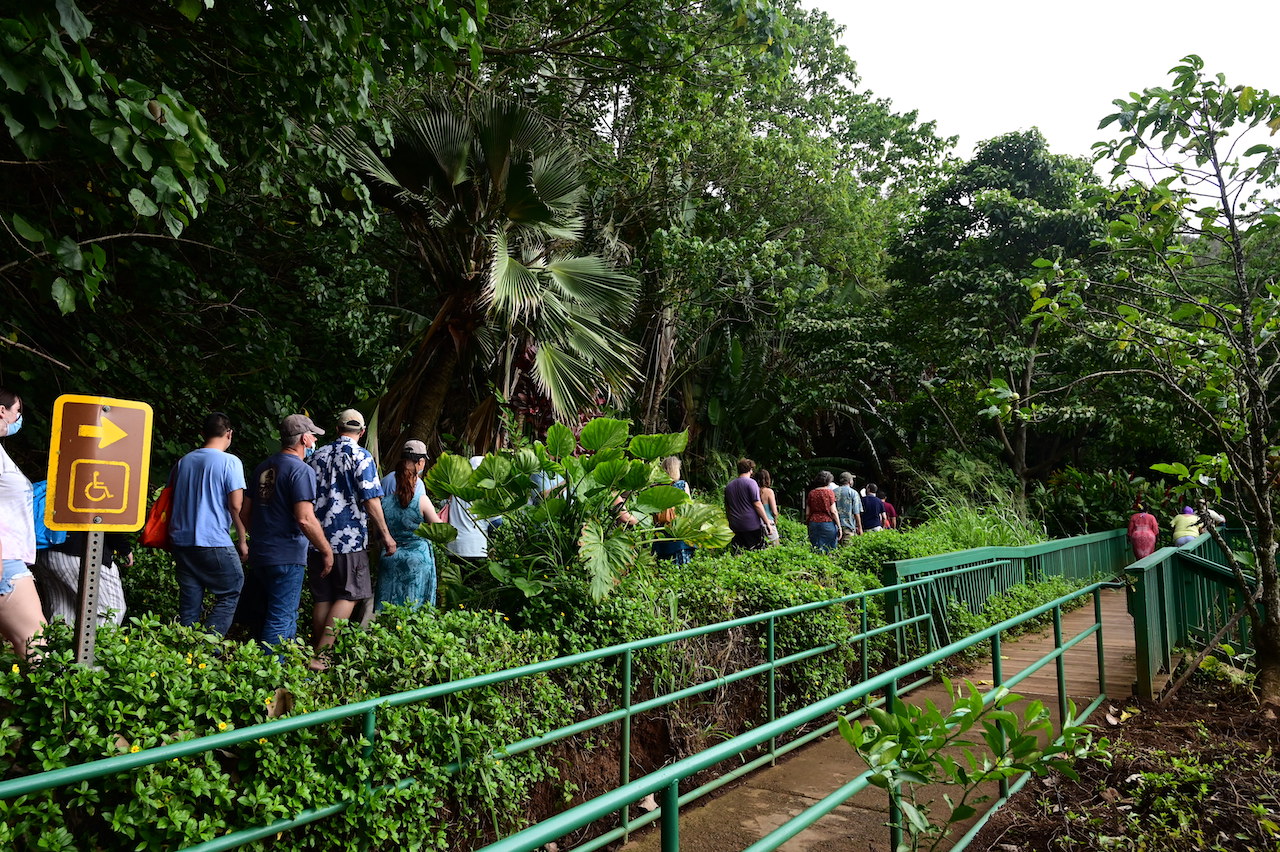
766 799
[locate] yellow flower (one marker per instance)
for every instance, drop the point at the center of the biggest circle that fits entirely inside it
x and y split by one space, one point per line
15 668
504 618
126 639
262 740
222 726
202 666
400 626
153 674
133 749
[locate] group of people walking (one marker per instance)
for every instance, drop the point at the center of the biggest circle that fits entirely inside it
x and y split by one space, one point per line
307 514
837 513
1186 526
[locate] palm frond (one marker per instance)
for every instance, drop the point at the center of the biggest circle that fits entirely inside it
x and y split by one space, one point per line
512 289
595 285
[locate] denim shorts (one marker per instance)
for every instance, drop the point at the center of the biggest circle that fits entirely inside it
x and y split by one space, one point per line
14 569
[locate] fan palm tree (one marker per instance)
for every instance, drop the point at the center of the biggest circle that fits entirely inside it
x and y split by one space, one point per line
488 195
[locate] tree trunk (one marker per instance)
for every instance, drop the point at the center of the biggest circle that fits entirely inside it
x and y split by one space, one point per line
424 421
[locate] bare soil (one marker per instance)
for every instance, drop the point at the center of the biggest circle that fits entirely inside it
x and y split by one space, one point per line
1200 774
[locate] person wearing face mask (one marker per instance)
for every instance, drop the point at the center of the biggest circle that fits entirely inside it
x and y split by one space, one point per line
407 576
20 614
208 490
279 515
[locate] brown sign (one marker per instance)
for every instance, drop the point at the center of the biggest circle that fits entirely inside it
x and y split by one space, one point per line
98 464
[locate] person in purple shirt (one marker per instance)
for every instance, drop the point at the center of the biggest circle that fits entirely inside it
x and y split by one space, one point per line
744 510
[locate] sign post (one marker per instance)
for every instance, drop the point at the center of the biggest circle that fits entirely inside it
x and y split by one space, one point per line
99 461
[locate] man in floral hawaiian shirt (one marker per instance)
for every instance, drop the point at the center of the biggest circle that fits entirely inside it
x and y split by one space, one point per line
348 499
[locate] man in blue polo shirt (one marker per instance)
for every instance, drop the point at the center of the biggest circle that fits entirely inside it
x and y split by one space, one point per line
208 485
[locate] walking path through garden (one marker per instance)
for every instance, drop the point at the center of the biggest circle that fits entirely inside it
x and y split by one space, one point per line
768 798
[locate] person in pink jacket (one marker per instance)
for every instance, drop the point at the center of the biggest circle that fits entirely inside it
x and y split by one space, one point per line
1143 531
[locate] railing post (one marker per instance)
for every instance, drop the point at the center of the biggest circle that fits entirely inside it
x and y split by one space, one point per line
997 681
671 817
1102 656
625 762
771 651
1140 607
895 794
1062 668
893 605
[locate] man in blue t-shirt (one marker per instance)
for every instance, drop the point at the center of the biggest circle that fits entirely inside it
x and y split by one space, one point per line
278 511
208 485
348 503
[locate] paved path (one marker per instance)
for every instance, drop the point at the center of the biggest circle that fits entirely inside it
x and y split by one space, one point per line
768 798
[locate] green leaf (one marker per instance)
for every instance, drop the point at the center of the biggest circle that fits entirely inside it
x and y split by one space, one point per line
530 588
437 533
63 295
69 254
191 9
654 500
603 433
607 552
701 525
26 230
654 447
915 820
73 20
144 205
560 442
1175 469
450 476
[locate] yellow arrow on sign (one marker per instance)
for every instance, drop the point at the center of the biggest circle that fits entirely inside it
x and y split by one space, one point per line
107 434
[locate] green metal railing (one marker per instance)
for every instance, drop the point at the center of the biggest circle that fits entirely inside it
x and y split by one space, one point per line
665 782
1181 597
905 616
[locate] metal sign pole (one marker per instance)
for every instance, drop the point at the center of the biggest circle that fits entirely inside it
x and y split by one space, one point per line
87 620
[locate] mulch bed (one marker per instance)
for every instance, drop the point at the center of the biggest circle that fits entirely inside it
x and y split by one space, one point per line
1202 773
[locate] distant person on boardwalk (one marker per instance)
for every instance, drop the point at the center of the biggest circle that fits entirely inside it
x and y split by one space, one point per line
676 551
890 513
348 503
280 516
743 509
821 514
1210 515
1144 529
849 506
20 616
770 502
208 490
872 510
1186 526
407 576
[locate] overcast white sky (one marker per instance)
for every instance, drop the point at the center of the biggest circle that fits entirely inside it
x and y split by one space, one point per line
986 67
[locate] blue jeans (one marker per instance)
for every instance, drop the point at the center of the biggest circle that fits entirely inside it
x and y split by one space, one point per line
822 535
216 569
281 589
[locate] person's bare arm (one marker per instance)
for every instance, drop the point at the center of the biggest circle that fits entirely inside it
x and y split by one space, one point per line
374 508
305 514
235 501
428 510
246 513
759 507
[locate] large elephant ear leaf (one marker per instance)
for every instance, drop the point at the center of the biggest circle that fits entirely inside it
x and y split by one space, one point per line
451 476
603 433
654 500
560 443
438 533
701 525
654 447
606 551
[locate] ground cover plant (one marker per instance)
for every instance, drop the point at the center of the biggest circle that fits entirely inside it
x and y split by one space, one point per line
1199 773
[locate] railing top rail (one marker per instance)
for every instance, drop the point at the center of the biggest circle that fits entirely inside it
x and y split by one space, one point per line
921 564
610 802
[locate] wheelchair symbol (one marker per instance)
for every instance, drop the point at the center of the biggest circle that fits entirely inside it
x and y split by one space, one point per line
98 488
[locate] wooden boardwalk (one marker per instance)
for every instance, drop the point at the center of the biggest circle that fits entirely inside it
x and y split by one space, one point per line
766 799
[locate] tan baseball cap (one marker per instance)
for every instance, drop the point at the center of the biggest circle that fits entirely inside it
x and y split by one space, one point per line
414 450
350 420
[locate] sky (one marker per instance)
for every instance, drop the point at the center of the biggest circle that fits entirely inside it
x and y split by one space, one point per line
987 67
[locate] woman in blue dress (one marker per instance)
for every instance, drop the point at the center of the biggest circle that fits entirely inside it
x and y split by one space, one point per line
408 576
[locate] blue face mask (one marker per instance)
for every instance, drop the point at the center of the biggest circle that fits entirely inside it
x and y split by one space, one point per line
14 427
311 451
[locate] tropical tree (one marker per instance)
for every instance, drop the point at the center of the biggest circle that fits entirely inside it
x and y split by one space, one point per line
1192 301
961 305
488 194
